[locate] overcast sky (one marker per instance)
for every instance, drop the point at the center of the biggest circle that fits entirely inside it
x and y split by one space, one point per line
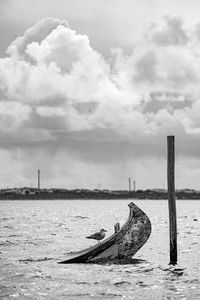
90 89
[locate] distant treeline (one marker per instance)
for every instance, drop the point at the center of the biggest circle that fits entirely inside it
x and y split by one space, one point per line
51 194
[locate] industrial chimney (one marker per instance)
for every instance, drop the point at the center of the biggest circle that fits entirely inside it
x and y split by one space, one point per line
134 185
129 183
38 179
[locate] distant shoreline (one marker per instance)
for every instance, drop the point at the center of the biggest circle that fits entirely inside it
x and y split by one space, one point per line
27 193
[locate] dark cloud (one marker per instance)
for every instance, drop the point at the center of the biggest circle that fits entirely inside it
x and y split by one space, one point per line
172 34
146 68
197 30
168 100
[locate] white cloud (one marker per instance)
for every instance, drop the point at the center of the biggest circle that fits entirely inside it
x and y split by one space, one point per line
55 72
57 92
36 33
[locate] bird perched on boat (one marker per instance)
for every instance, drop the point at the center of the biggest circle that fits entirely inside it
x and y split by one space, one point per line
98 235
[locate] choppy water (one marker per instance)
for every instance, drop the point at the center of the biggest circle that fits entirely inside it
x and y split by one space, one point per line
35 235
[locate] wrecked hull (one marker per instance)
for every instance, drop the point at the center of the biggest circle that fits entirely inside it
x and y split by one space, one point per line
122 245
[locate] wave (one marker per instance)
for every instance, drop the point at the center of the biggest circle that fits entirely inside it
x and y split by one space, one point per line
35 260
80 217
7 243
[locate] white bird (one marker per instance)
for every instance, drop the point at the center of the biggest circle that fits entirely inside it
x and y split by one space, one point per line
98 235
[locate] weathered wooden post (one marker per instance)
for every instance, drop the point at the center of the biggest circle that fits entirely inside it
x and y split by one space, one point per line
171 199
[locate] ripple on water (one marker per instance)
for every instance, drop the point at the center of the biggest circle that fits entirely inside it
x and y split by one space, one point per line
8 226
118 283
7 243
27 260
81 217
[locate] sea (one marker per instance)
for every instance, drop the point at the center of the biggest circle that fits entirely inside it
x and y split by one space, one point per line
36 235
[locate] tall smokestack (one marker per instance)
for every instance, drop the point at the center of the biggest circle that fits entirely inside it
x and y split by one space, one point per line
129 183
134 185
38 179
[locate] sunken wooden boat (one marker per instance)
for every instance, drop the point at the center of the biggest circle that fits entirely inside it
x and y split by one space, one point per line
122 245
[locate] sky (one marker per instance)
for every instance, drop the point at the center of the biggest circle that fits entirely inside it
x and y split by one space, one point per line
90 90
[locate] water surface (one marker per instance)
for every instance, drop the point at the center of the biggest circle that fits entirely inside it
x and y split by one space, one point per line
35 235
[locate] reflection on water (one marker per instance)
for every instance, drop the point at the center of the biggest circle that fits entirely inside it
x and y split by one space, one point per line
35 235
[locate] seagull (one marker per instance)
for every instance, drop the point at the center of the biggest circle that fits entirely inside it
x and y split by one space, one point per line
98 235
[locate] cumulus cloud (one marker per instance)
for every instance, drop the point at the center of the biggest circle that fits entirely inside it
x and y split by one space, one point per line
54 87
34 34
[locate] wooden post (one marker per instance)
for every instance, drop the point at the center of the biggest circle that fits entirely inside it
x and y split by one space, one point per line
171 199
